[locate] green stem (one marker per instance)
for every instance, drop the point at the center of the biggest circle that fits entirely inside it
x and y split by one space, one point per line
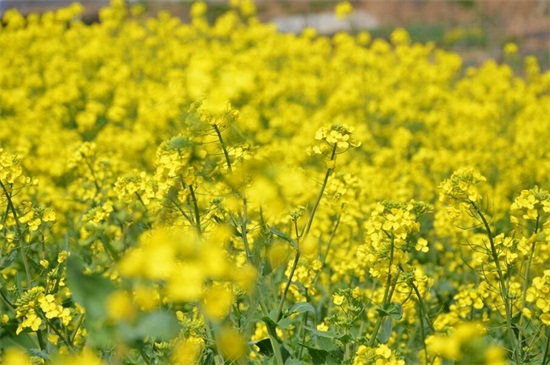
96 184
329 244
224 148
323 186
244 232
23 249
502 281
526 284
423 308
78 324
211 339
144 355
180 209
290 276
306 231
545 357
6 299
196 210
387 294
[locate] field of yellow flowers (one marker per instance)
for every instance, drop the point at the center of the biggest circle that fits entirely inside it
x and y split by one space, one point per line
221 193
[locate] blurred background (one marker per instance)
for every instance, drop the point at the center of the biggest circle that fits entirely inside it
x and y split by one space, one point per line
477 29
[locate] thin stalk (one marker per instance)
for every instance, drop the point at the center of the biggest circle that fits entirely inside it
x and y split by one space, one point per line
546 357
302 334
96 184
196 210
306 231
423 309
423 334
210 338
23 249
323 186
387 295
180 209
144 355
78 324
502 281
282 302
62 337
244 231
6 299
526 283
329 244
331 238
224 148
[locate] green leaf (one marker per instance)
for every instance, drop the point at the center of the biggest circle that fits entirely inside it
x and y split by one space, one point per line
159 325
396 311
326 343
265 347
326 334
319 356
90 291
302 307
39 353
291 361
284 236
385 330
271 326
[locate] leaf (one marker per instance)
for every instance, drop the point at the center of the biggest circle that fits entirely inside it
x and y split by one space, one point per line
319 356
39 353
265 347
284 236
396 311
302 307
159 325
385 330
271 326
292 361
326 334
90 291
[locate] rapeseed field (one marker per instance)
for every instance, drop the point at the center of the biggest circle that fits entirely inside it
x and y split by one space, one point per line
222 193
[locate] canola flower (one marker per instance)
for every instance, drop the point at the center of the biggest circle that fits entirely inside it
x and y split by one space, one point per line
217 192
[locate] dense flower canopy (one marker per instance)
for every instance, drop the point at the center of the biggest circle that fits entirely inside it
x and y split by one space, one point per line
220 192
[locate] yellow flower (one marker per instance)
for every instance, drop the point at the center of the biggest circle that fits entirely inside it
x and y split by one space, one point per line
384 351
510 49
217 302
15 356
337 299
231 344
187 352
120 306
343 9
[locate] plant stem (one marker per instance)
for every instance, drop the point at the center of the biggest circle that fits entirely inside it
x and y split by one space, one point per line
224 148
526 283
306 231
422 306
320 195
387 294
23 249
290 276
210 338
196 210
244 232
545 357
88 163
502 281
